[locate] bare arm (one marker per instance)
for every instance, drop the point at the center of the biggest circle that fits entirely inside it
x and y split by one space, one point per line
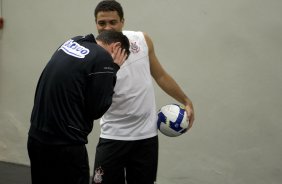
167 83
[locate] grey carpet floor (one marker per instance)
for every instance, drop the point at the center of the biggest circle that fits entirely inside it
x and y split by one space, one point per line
11 173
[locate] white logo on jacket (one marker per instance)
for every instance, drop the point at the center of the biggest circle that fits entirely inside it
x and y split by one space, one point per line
72 48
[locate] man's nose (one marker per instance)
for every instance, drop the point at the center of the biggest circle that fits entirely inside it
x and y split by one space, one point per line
108 27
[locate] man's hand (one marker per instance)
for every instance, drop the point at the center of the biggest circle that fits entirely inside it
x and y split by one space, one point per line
190 113
119 55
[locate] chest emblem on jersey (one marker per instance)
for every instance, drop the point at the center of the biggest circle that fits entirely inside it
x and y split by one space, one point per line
98 175
134 48
72 48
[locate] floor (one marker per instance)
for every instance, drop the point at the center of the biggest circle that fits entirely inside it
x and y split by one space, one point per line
11 173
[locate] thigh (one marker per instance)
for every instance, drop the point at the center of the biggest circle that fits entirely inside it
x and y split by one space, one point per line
76 164
42 163
143 163
58 164
109 162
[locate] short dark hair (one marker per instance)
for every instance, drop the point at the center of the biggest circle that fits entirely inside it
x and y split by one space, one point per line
109 5
111 36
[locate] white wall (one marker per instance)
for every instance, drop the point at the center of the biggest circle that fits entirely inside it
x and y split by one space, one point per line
225 54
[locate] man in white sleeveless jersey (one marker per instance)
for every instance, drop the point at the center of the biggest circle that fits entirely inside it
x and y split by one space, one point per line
127 151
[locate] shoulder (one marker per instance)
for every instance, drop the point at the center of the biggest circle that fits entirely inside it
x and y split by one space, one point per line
133 34
147 38
101 54
137 35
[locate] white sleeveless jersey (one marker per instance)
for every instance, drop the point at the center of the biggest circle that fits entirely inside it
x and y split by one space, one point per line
132 115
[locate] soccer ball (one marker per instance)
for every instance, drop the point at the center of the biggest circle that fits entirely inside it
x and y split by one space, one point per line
172 120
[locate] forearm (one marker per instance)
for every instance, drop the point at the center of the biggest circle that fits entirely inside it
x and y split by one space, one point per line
98 95
169 85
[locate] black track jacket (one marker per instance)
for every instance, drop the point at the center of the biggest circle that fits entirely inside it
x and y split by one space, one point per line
74 89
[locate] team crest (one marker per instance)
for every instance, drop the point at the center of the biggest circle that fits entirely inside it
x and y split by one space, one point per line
134 48
98 175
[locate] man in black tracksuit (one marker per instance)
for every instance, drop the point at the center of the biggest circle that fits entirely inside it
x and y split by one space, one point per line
74 89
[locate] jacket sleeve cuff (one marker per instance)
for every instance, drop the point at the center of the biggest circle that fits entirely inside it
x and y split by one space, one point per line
116 67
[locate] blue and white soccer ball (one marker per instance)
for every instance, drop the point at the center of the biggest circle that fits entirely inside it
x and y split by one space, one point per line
172 120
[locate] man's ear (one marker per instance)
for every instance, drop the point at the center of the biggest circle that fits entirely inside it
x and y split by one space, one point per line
122 21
